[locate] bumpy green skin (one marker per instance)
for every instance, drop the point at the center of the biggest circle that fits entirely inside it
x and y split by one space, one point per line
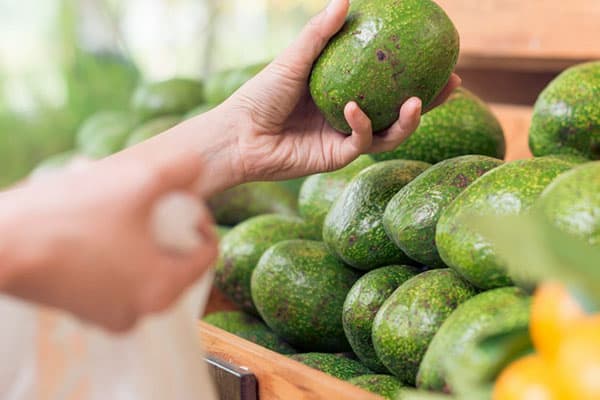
171 97
104 133
412 215
353 228
332 364
319 192
222 84
152 128
250 328
387 52
462 125
386 386
361 305
299 289
461 327
572 202
250 200
510 189
410 317
242 247
566 117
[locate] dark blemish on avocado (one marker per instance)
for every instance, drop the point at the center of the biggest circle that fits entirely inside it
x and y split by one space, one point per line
361 96
381 56
352 239
394 38
356 32
565 133
461 181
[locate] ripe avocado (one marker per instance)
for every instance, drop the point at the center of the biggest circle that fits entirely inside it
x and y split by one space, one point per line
461 327
250 200
175 96
410 317
412 214
386 386
354 228
299 289
319 192
387 52
152 128
242 247
572 202
462 125
361 305
222 84
333 364
104 133
250 328
566 116
510 189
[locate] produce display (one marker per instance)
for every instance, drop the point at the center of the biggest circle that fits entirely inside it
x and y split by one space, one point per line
333 364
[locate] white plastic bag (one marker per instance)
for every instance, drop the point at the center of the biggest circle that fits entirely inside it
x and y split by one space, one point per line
161 359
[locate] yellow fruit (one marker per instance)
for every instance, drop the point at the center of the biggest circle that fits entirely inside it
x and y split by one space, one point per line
529 378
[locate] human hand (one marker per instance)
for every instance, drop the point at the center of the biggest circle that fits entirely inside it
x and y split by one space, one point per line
82 240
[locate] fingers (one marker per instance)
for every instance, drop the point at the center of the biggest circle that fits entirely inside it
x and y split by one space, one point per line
452 84
407 123
362 135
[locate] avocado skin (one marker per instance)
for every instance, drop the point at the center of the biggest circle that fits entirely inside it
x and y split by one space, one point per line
572 201
510 189
361 305
299 289
175 96
411 216
222 84
566 116
250 328
319 191
387 52
461 327
386 386
242 247
463 125
250 200
353 228
152 128
332 364
410 317
104 133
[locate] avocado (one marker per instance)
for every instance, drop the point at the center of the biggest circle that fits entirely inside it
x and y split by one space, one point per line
201 109
566 116
332 364
572 202
353 228
250 328
152 128
319 191
55 162
462 326
361 305
242 247
293 185
406 323
387 52
222 84
386 386
412 215
463 125
299 289
175 96
250 200
510 189
222 231
104 133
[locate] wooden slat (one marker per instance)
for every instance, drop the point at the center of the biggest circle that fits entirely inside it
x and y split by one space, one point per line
279 378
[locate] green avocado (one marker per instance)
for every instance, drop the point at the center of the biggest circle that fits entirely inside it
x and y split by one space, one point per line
361 305
299 289
354 228
386 386
510 189
412 215
250 328
332 364
462 125
250 200
175 96
104 133
406 323
387 52
572 202
152 128
462 326
319 192
293 185
55 162
222 84
222 231
201 109
566 116
242 247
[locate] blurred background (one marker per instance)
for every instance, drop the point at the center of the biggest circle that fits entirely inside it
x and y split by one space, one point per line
61 60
